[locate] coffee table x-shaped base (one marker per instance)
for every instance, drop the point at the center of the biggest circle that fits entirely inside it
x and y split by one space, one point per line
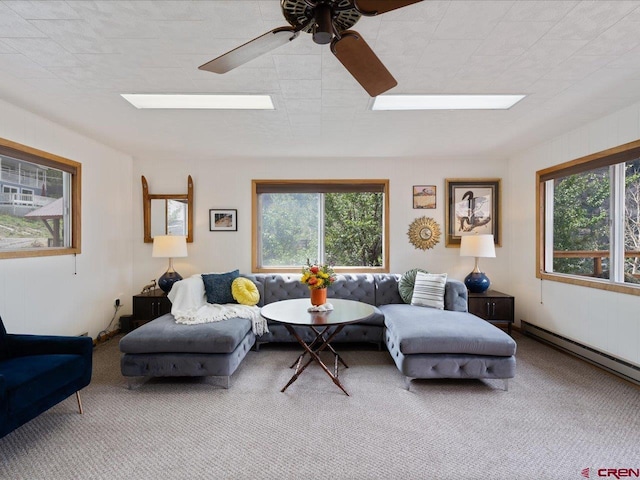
321 342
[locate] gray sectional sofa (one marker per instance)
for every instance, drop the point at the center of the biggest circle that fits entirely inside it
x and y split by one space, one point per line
423 342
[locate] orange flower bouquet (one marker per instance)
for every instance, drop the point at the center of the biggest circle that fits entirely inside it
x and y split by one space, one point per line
318 276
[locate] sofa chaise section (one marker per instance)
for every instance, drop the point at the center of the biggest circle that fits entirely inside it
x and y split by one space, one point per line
429 343
164 348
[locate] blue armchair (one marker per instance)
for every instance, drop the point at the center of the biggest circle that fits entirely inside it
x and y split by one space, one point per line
37 372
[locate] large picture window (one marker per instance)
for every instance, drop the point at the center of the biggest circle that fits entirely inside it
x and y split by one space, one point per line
340 222
39 203
589 223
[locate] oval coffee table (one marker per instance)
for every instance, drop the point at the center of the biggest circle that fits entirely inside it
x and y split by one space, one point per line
326 325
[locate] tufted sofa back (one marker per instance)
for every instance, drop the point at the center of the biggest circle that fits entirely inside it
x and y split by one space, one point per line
374 289
275 287
455 296
359 287
282 287
387 289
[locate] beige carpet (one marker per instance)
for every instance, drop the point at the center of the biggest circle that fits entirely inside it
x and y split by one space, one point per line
559 417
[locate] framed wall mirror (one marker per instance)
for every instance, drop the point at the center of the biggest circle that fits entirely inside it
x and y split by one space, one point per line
167 214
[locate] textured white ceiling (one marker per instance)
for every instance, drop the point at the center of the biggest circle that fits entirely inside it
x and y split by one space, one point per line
70 60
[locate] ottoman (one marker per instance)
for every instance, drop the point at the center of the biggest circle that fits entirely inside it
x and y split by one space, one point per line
163 348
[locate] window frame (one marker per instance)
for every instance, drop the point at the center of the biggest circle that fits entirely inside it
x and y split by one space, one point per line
308 185
606 158
46 159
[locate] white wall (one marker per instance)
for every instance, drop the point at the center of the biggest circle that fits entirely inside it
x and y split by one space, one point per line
607 321
226 183
69 295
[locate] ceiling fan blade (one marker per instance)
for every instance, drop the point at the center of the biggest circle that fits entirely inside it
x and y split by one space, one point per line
358 58
376 7
250 50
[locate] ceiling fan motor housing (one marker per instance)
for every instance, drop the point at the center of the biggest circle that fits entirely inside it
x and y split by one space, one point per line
320 17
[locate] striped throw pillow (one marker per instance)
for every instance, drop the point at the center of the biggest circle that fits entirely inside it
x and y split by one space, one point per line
428 290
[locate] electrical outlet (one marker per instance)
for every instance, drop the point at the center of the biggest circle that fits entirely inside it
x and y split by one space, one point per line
116 303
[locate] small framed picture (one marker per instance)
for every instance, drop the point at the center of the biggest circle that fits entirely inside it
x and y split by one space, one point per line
424 196
223 220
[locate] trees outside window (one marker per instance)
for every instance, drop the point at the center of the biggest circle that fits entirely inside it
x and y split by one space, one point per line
581 221
353 228
632 219
334 222
288 228
589 224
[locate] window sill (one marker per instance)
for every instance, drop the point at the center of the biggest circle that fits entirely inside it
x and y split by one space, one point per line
39 252
590 283
345 270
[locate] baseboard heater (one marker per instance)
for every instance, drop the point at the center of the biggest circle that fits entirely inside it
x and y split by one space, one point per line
612 364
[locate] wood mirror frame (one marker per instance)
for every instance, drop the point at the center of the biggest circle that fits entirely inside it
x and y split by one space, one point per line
146 207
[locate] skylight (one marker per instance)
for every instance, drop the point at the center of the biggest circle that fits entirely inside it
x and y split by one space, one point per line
199 101
445 102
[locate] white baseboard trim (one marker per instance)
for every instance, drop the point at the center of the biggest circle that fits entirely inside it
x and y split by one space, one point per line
605 361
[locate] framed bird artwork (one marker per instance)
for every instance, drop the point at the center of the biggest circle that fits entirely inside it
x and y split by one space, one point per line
472 207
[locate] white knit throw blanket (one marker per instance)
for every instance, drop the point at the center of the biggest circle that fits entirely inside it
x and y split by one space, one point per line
190 307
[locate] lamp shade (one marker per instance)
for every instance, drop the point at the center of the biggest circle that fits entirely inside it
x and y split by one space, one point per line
169 246
477 246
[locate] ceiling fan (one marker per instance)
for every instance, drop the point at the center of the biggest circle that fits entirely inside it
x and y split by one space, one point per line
328 21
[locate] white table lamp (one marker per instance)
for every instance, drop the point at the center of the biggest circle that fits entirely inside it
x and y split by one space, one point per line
169 246
477 246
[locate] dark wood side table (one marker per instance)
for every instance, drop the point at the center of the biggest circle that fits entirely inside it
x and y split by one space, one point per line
495 307
149 305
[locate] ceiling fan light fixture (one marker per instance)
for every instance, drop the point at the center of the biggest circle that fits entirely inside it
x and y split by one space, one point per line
199 101
445 102
323 28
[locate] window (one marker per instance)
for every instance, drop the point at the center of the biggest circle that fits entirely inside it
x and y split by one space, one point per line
589 223
39 203
340 222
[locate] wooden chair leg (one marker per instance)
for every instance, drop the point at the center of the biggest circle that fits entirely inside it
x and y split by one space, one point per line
79 402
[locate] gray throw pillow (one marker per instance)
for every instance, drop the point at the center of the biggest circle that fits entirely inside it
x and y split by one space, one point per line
217 286
406 283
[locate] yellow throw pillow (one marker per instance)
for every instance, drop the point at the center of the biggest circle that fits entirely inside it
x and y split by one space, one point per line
244 291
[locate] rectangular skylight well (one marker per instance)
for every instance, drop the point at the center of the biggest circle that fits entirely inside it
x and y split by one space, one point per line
445 102
199 101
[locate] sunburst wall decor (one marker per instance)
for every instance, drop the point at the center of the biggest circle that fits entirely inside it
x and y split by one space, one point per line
424 233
